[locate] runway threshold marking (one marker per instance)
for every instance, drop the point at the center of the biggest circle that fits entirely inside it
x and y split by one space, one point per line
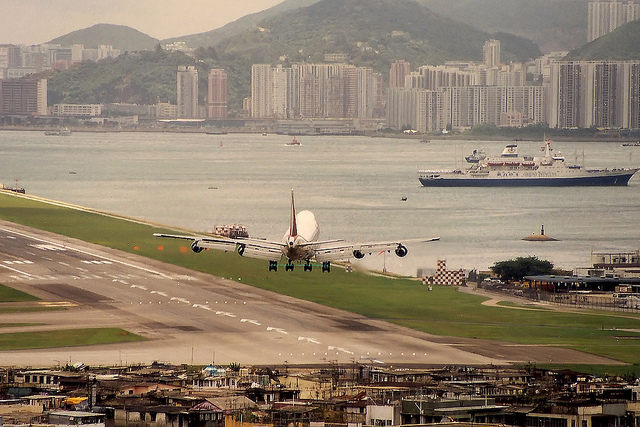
63 247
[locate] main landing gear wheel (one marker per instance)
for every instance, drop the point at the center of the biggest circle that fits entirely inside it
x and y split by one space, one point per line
308 266
326 267
288 266
273 265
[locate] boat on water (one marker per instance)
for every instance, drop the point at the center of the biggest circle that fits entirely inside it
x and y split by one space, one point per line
476 156
294 141
58 132
512 170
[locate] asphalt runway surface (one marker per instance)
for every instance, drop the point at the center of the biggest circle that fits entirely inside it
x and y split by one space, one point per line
194 318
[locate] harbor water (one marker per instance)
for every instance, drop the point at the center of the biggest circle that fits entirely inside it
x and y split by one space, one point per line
356 186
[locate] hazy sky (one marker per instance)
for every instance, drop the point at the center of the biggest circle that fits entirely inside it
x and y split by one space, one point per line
38 21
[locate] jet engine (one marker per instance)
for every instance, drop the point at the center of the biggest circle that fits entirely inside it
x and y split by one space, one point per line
358 254
195 248
401 250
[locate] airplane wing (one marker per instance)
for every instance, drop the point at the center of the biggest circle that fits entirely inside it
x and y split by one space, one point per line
333 251
251 248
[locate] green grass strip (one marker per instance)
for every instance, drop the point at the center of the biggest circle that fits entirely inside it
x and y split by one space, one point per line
66 338
8 294
17 325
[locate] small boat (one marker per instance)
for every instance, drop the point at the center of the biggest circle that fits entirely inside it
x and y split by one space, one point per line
476 156
294 141
59 132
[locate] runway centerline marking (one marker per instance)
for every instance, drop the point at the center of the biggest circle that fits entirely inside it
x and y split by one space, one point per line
309 339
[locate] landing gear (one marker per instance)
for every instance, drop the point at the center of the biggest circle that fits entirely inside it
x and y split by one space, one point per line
288 266
273 265
326 266
308 266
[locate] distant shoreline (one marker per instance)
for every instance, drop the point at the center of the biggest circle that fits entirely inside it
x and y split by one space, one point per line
424 138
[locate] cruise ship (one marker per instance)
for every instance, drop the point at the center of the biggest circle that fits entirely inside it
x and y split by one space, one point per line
512 170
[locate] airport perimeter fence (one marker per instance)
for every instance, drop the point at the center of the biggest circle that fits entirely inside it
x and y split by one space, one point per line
618 302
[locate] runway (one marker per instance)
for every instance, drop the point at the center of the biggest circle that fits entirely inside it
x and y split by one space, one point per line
190 317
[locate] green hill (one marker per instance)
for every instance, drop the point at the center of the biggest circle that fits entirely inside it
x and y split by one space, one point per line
119 36
372 32
620 44
144 77
213 37
553 24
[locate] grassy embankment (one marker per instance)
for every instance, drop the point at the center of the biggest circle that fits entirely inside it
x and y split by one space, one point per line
443 311
11 295
60 338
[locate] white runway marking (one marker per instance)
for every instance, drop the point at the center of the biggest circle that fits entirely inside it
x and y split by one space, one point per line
16 270
343 350
160 293
311 340
225 313
49 247
46 243
280 330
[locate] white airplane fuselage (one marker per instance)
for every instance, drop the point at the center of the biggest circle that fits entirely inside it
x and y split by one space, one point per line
305 230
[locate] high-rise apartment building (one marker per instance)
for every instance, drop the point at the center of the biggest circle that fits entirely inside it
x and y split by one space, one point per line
491 53
23 96
315 90
594 93
261 91
187 92
605 16
399 70
217 94
428 110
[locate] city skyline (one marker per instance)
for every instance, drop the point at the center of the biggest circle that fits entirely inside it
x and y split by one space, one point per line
159 19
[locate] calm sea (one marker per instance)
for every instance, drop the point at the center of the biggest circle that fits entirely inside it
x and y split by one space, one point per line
354 185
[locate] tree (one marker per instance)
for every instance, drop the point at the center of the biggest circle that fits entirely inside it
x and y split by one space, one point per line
516 269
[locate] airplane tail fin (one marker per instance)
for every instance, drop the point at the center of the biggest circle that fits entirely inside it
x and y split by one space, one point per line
293 228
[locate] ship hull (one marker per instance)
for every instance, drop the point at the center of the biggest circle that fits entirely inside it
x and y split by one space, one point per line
460 180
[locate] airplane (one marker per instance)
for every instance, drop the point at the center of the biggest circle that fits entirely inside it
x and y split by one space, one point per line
299 243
